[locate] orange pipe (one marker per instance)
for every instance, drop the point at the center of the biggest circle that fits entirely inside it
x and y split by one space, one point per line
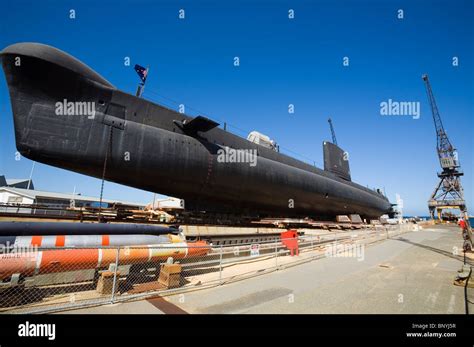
62 260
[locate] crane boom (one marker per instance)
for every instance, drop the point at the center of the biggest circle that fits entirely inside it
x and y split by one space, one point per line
333 134
446 152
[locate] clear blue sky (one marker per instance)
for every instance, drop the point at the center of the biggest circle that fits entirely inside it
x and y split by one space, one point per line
283 61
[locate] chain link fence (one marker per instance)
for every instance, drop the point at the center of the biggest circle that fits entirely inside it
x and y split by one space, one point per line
41 280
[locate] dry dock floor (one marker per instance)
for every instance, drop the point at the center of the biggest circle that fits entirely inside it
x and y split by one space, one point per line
410 273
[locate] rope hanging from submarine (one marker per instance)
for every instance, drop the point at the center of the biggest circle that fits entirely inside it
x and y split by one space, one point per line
108 148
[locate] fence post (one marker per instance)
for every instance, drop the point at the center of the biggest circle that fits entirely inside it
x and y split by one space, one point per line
115 275
220 266
276 253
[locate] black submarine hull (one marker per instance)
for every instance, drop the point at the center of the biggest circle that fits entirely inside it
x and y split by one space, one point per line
147 146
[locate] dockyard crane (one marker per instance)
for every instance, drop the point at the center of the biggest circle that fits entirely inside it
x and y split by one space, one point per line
333 134
448 194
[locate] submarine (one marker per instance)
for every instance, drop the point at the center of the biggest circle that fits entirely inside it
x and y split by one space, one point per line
68 116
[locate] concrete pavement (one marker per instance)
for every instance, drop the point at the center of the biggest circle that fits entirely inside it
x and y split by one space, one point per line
411 273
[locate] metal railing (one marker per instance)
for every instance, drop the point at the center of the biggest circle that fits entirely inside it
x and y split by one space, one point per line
53 279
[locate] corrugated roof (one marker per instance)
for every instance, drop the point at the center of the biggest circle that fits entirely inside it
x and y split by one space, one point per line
33 194
16 180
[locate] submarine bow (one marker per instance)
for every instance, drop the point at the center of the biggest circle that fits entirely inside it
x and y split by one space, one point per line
67 115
